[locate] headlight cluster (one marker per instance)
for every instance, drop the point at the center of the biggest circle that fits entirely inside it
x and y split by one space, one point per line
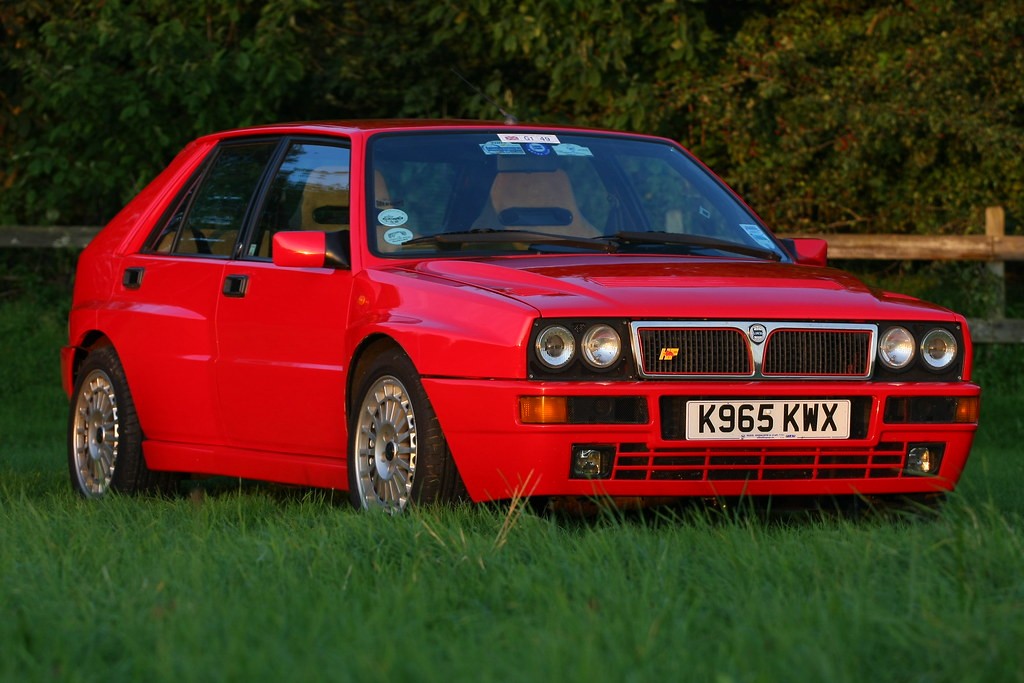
897 348
599 345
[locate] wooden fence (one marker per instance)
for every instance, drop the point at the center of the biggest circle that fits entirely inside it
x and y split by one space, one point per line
995 247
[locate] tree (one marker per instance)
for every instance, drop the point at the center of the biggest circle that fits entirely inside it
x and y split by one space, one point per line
870 117
853 115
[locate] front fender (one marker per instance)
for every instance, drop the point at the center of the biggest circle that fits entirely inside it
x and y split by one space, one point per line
447 329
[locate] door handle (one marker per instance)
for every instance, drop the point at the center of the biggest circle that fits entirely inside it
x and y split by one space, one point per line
235 285
132 278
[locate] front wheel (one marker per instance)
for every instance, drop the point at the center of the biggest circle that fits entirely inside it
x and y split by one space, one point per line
397 452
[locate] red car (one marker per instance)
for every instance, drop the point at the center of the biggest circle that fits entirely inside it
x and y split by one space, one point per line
421 311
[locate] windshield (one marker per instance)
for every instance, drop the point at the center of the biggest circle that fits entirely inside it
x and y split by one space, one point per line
500 192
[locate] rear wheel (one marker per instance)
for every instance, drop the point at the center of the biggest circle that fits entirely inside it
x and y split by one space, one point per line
104 437
397 452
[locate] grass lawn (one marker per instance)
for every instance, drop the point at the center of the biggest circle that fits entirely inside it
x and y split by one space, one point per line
246 582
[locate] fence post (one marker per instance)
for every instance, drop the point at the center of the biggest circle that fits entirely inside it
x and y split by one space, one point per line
995 230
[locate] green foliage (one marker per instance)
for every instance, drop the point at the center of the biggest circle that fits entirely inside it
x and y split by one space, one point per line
967 287
41 277
999 369
589 63
858 115
33 327
105 92
869 116
238 585
100 94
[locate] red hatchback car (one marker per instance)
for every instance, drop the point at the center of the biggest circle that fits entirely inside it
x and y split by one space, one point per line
424 311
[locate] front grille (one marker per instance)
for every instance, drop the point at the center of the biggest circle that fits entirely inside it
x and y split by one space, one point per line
759 464
695 352
817 353
732 349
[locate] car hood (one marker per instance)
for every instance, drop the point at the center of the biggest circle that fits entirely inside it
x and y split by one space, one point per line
680 287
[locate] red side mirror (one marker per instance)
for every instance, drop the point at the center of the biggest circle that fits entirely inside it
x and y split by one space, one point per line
299 249
311 249
808 251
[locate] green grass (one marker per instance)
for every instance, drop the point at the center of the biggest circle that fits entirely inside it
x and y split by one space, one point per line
241 582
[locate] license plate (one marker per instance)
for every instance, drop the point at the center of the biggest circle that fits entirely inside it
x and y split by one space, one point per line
797 419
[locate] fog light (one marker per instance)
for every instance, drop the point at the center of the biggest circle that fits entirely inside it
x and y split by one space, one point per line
591 462
924 459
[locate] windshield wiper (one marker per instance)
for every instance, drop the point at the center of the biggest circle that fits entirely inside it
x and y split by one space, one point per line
490 236
625 238
605 244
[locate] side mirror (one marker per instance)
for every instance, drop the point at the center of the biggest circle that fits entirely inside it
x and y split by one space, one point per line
312 249
808 251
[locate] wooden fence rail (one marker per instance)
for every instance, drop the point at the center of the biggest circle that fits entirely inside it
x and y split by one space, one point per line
994 248
42 237
852 247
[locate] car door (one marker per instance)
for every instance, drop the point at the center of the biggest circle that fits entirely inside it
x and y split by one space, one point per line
281 331
170 293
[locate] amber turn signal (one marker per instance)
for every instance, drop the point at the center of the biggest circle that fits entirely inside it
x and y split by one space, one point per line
967 409
543 409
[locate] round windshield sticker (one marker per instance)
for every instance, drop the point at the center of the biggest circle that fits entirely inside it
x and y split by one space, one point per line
392 217
397 236
538 149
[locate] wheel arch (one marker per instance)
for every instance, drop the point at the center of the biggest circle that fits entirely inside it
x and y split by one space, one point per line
91 341
438 476
368 349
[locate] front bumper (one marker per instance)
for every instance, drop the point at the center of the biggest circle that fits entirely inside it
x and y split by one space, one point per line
500 457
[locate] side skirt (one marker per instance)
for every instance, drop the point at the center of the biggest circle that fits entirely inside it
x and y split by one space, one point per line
300 470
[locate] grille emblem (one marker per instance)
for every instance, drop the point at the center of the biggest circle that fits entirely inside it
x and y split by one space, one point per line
757 333
668 354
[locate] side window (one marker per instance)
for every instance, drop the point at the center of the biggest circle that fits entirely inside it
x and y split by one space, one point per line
310 191
166 240
210 213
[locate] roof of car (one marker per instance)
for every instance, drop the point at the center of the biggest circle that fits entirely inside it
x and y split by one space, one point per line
368 126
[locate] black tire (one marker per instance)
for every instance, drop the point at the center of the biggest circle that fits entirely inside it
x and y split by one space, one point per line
397 453
104 437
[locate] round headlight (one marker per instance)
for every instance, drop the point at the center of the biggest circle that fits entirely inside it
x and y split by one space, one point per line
938 349
601 346
555 346
896 348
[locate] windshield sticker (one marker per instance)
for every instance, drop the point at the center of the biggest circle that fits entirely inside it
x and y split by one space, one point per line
568 149
392 217
388 203
501 148
529 137
397 236
538 149
758 235
705 212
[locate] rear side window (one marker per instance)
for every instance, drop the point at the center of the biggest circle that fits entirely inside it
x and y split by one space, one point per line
210 213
